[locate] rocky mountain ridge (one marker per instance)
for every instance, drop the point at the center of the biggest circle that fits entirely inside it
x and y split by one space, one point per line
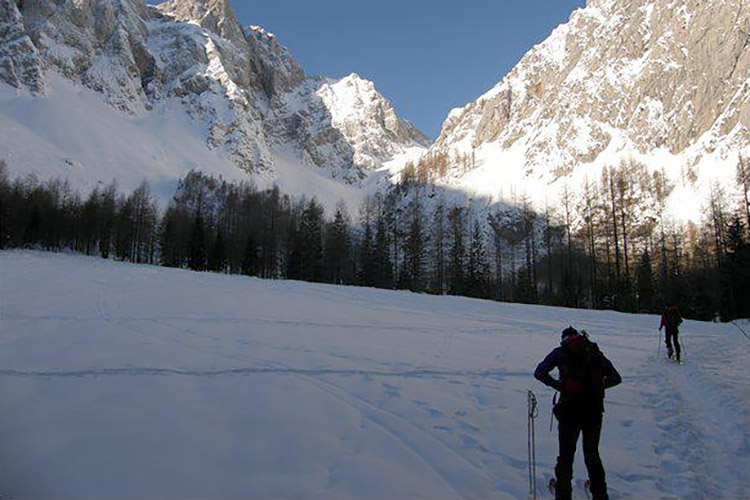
658 82
241 87
663 82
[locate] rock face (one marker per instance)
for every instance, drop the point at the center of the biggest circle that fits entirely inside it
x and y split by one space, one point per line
367 120
240 85
620 79
20 64
663 82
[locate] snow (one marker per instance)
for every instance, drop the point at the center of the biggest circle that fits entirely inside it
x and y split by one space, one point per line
216 71
71 133
133 381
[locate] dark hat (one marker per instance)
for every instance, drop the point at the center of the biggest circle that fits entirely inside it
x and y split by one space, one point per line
568 332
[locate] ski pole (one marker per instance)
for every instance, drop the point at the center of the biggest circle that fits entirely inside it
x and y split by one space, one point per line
531 415
740 329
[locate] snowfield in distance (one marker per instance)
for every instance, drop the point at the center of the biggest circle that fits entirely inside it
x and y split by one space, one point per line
134 381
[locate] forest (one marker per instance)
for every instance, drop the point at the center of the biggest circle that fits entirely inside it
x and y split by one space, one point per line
609 245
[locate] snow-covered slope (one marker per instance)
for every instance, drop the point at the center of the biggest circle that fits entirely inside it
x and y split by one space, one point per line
234 95
663 83
129 381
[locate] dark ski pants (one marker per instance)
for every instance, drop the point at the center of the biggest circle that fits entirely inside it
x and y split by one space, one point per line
569 427
671 337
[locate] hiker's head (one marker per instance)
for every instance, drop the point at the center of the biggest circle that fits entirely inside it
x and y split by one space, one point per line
569 333
572 339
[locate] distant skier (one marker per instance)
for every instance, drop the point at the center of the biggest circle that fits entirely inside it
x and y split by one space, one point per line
584 375
671 320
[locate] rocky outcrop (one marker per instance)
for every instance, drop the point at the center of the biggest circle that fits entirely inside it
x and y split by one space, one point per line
637 76
240 84
20 65
367 120
279 71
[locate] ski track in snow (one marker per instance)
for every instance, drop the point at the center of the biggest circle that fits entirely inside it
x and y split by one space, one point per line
350 392
702 440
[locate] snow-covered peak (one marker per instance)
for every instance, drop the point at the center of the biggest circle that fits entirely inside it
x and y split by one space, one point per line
368 120
236 93
658 82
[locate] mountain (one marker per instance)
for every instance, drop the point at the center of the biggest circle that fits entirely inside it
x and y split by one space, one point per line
662 83
96 90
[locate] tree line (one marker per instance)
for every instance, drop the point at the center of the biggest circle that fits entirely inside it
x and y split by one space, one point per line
609 245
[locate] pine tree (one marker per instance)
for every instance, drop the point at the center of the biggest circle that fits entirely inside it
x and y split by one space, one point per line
5 203
306 259
495 223
170 253
338 251
457 276
412 276
197 249
438 220
107 219
367 264
477 283
217 258
384 265
735 275
645 284
250 257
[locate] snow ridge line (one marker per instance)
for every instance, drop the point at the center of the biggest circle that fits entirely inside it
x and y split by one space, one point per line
144 371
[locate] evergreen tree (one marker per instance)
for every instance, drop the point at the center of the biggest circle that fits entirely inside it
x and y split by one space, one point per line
458 251
412 276
217 258
197 250
306 258
735 275
338 251
384 265
107 218
367 263
169 255
477 282
250 257
438 220
645 284
5 203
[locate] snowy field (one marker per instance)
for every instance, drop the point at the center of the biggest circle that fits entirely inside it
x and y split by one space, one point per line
126 381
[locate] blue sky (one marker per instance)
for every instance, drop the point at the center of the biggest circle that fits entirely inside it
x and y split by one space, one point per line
425 56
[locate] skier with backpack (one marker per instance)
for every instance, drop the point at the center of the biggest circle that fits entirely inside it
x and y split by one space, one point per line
671 320
585 373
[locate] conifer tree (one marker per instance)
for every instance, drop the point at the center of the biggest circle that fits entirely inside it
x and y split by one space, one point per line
645 284
338 251
197 250
412 276
384 265
438 221
250 257
217 258
458 249
367 265
477 282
